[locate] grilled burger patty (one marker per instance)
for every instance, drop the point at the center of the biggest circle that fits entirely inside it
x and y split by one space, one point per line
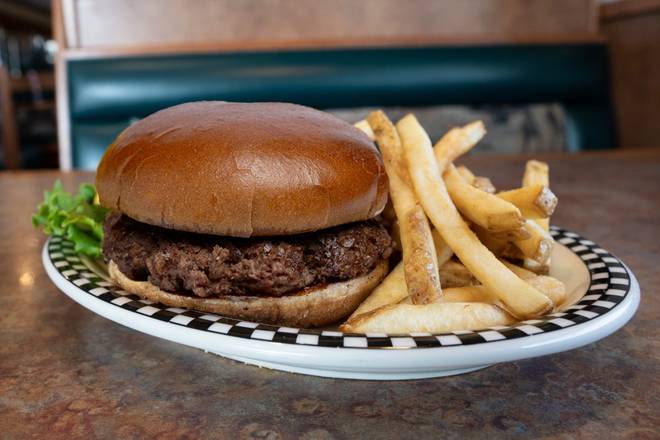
207 266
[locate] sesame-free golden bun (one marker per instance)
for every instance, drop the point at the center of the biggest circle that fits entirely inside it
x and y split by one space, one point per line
242 170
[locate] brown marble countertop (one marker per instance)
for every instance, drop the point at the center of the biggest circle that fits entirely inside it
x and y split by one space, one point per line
66 372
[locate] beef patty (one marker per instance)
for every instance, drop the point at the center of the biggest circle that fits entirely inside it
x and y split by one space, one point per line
206 265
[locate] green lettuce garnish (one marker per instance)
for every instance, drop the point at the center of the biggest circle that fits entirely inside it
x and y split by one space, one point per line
77 217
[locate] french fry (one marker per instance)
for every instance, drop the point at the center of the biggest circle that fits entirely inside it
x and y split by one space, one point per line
486 210
499 244
465 294
496 245
456 142
534 201
537 173
454 274
366 128
393 288
419 258
420 265
539 246
550 287
514 234
484 184
466 174
393 291
478 294
478 206
519 298
533 266
432 318
390 291
442 251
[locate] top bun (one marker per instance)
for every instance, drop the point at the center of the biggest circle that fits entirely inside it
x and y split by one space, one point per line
242 169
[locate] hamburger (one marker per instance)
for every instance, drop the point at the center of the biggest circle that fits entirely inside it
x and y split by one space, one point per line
258 211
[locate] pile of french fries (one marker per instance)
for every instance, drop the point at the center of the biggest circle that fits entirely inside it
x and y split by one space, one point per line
472 257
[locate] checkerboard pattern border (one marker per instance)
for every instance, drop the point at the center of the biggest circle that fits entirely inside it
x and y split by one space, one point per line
610 283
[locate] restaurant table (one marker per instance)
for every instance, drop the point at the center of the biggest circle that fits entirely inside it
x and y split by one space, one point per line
66 372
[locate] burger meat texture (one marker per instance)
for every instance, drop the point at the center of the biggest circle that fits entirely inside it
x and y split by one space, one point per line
208 266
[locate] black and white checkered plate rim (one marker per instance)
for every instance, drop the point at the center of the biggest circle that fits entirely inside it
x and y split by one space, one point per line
610 283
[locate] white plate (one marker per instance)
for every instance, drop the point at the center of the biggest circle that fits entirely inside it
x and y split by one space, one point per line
602 296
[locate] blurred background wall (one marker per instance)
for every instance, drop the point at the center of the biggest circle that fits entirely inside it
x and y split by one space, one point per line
140 24
27 97
93 29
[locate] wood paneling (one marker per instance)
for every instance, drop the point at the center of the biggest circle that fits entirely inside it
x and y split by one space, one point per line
126 23
627 8
634 38
32 82
8 126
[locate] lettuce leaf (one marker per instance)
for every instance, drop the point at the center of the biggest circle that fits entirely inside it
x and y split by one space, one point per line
76 218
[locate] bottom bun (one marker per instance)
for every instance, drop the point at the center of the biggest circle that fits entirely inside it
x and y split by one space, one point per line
312 307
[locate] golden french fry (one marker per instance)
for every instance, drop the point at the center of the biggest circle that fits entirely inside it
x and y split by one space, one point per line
478 294
501 247
420 264
533 266
486 210
466 174
539 246
514 234
442 251
455 274
484 184
456 142
393 288
520 271
465 294
534 201
393 291
496 245
366 128
513 253
537 173
480 182
432 318
477 205
390 291
550 287
520 299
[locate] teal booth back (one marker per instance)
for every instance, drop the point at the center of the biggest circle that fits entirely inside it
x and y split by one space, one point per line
106 94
